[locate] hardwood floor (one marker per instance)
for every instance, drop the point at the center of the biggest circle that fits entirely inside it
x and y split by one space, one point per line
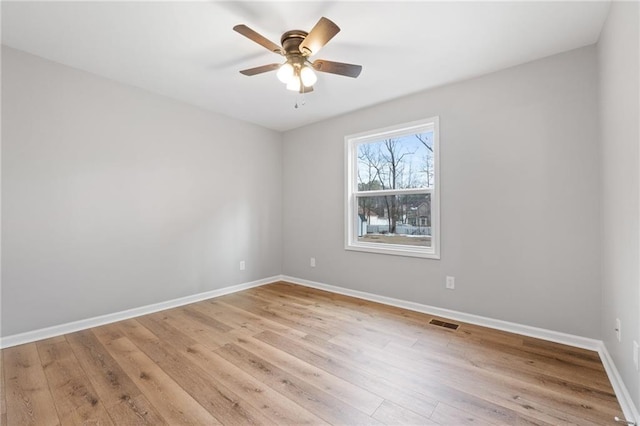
286 354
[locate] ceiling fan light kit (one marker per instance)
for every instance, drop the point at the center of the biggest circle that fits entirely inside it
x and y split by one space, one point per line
307 76
297 46
285 72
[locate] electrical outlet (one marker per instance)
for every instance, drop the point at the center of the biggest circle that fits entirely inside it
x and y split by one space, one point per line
635 354
618 330
312 262
242 265
451 283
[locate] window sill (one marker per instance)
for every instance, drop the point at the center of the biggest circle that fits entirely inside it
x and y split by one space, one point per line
394 250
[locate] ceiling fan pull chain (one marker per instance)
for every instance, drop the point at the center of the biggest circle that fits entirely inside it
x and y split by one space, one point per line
301 103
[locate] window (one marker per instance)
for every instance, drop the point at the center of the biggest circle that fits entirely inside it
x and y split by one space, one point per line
392 204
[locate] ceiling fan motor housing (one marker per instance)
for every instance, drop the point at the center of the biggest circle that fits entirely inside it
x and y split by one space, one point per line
291 44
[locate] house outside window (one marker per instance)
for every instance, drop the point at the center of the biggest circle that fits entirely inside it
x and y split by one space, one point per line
392 190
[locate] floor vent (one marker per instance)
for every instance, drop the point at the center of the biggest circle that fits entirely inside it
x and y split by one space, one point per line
439 323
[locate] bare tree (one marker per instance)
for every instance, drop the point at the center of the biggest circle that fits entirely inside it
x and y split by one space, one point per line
424 142
385 163
428 170
368 157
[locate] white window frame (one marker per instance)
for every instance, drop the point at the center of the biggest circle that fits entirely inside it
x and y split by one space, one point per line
351 190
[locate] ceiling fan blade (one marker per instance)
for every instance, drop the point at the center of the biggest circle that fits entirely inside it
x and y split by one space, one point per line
319 35
339 68
260 70
261 40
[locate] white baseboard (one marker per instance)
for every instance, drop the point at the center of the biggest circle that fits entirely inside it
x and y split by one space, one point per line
57 330
626 402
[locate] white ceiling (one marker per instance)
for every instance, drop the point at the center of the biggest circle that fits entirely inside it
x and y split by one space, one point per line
188 50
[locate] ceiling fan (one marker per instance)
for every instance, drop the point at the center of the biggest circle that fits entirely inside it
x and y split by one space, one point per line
297 72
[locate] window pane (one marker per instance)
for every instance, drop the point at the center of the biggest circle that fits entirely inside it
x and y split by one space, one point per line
392 190
396 163
395 219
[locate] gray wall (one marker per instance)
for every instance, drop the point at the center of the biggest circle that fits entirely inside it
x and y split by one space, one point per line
520 201
114 198
619 111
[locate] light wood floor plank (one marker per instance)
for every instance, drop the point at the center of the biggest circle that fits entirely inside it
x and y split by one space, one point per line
243 320
29 401
270 403
459 375
351 371
194 331
277 407
446 415
502 388
258 306
324 405
349 321
76 401
346 391
205 320
203 386
393 414
420 378
287 354
123 400
171 401
3 393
